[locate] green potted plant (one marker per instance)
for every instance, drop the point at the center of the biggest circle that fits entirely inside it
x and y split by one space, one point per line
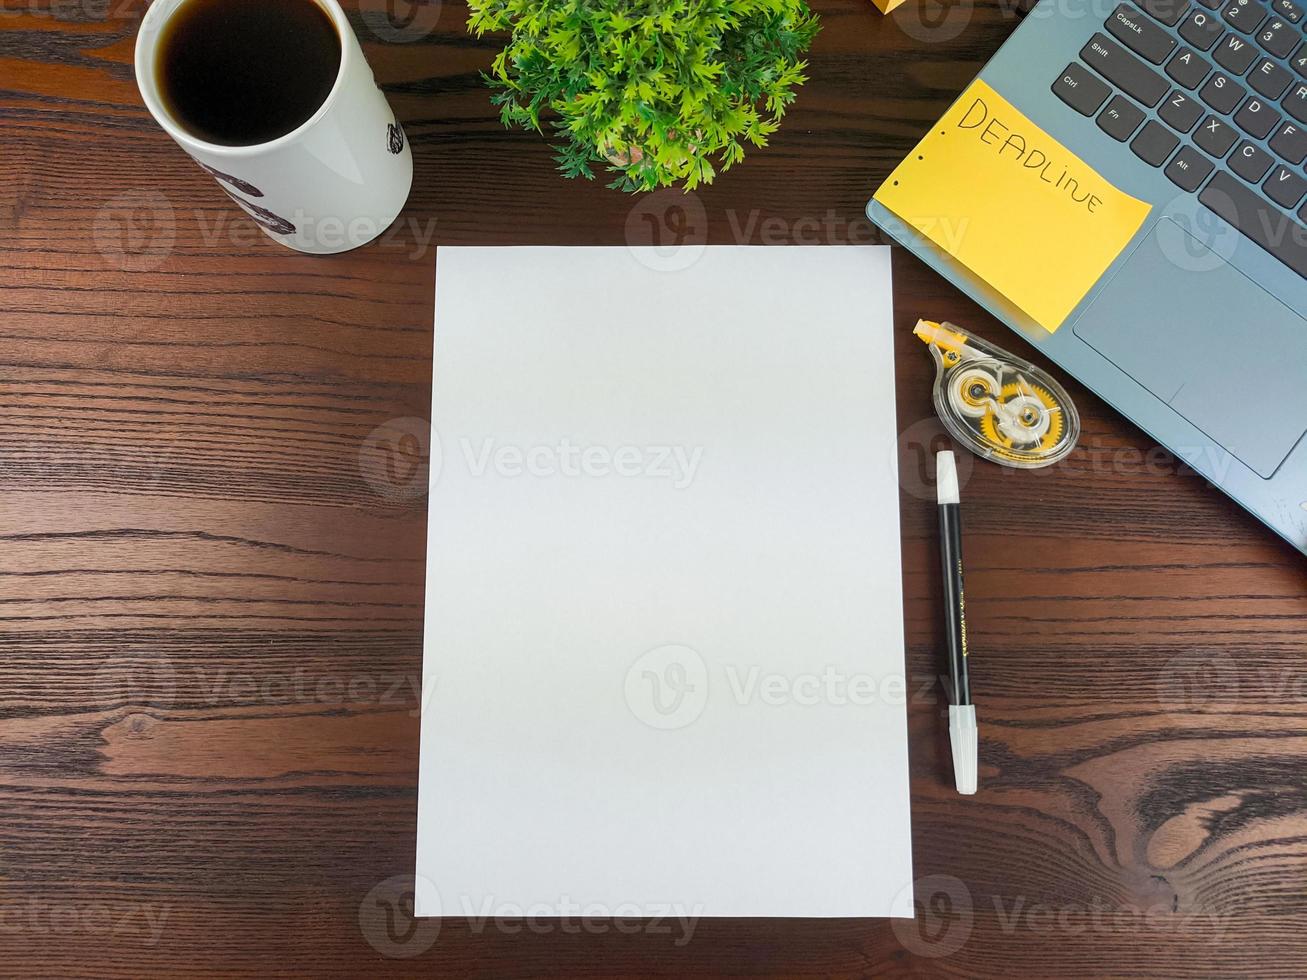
658 92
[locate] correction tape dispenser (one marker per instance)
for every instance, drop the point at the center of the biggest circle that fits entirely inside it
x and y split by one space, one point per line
997 405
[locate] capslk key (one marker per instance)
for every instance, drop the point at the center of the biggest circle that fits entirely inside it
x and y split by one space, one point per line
1124 70
1253 217
1139 34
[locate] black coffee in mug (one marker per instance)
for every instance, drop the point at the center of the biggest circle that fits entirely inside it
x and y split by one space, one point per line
243 72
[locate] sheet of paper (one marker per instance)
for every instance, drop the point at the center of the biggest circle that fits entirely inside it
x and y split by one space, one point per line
664 669
1013 205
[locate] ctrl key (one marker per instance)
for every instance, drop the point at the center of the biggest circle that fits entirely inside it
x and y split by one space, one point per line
1081 90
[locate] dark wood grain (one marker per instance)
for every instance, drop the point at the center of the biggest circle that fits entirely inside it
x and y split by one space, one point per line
210 656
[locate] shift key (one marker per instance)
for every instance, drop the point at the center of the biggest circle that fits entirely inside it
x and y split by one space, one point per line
1124 70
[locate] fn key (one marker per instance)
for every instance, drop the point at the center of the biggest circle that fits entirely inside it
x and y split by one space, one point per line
1080 90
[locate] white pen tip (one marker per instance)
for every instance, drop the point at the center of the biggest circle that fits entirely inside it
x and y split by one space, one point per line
946 478
965 738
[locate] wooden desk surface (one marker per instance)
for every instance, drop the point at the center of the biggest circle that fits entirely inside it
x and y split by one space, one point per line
212 613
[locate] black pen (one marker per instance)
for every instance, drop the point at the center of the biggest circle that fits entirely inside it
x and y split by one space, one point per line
961 713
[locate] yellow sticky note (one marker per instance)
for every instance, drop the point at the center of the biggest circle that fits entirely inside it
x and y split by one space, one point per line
885 6
1013 205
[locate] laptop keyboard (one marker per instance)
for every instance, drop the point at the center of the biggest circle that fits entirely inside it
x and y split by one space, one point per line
1227 83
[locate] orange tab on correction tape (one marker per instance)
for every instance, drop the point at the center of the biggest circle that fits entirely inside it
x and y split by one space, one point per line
1000 407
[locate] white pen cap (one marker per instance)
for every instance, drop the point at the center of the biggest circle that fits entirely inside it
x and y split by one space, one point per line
965 739
946 478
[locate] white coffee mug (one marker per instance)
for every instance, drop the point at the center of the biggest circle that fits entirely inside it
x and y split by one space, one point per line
332 184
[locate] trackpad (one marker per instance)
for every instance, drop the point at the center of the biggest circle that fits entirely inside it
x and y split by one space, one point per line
1207 340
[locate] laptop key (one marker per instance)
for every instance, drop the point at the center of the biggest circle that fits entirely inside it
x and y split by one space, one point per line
1285 187
1201 30
1287 9
1277 37
1299 60
1120 119
1295 103
1222 93
1290 142
1154 144
1269 79
1215 137
1139 34
1124 70
1188 169
1168 12
1250 162
1081 90
1256 219
1180 111
1256 118
1235 53
1187 68
1244 15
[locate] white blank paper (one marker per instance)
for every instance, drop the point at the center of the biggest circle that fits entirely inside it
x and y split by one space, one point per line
664 627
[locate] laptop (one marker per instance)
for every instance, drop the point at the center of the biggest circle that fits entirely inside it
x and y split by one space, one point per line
1196 332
